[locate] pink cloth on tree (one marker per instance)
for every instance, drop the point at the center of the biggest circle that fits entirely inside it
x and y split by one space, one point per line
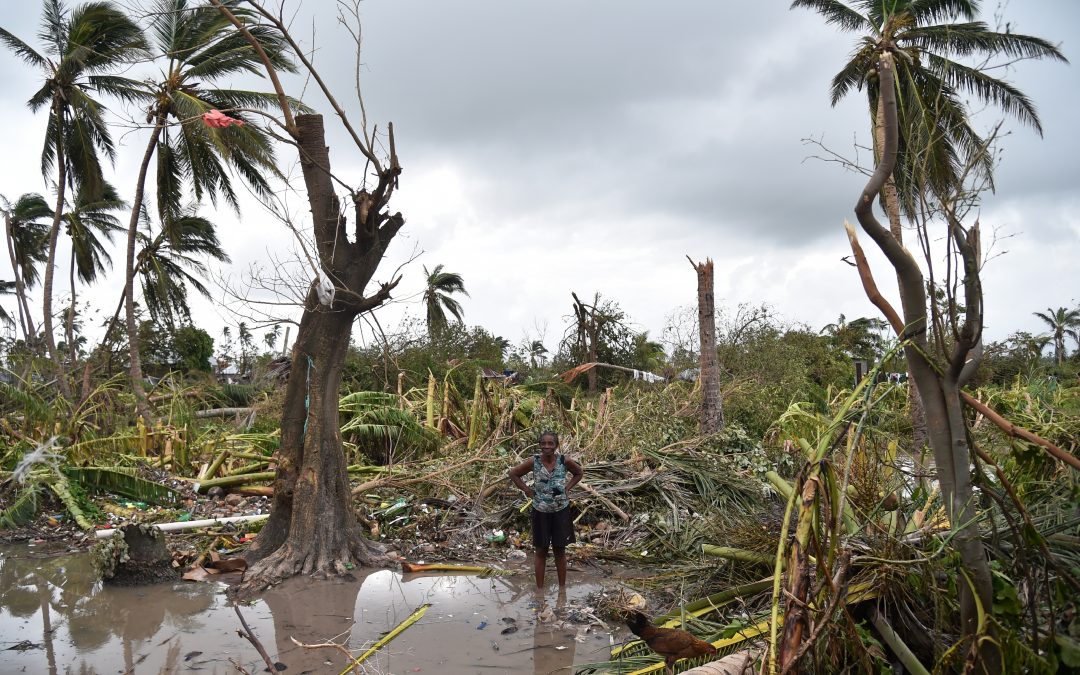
218 119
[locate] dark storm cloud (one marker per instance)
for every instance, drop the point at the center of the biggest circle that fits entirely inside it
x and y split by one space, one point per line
579 122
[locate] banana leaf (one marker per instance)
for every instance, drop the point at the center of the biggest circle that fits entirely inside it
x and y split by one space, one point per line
123 481
63 490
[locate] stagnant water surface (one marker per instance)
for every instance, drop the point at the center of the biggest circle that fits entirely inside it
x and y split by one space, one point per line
55 618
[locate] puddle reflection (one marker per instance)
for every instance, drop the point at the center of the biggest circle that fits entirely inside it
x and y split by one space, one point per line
61 621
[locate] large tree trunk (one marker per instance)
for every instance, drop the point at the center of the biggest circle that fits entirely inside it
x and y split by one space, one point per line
712 404
135 362
940 395
312 528
891 199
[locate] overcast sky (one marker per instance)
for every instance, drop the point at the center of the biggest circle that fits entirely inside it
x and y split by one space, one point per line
590 146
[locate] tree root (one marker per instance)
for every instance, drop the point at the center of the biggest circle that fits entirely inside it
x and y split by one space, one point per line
333 559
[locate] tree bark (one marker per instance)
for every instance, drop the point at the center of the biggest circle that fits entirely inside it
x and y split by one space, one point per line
50 263
135 363
891 199
712 403
69 327
312 529
939 392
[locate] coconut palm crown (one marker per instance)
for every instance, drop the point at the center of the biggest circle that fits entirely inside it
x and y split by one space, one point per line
29 232
1062 322
935 42
196 47
83 49
439 287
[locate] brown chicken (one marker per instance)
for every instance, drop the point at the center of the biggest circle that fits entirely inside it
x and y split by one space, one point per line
671 643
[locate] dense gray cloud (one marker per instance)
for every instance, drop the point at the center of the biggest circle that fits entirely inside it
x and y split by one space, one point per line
589 146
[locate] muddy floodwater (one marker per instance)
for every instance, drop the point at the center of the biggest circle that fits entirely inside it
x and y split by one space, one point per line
55 618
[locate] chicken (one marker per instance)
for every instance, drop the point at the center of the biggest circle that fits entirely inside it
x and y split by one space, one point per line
671 643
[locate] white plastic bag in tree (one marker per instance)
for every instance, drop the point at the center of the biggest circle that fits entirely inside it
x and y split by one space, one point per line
325 290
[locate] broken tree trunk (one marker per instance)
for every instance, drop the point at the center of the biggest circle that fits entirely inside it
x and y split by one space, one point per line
712 404
312 528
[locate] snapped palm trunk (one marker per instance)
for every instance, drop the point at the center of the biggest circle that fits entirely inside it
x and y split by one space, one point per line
712 405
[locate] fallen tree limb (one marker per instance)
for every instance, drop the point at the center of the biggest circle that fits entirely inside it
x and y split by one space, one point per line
386 480
1020 432
222 412
607 502
250 637
885 630
742 555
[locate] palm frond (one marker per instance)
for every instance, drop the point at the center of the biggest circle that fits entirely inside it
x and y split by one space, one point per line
23 50
942 10
837 14
989 89
376 417
63 489
123 481
23 509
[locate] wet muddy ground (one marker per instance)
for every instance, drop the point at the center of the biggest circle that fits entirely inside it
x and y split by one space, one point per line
55 618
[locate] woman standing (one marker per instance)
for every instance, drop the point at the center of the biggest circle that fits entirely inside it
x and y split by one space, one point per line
552 526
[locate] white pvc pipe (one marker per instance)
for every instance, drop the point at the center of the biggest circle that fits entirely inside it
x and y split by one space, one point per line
190 524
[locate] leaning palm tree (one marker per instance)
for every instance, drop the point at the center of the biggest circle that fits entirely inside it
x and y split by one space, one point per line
197 48
437 301
89 220
1062 323
936 139
83 50
26 232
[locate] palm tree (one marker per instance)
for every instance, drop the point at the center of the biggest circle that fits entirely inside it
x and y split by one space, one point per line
649 355
26 233
936 140
89 218
1062 322
537 353
271 337
226 345
173 260
247 346
859 338
197 47
82 49
437 301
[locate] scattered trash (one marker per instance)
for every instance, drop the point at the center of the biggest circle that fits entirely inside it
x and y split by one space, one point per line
482 625
509 629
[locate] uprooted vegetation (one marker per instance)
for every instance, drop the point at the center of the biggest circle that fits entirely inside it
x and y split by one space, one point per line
828 494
